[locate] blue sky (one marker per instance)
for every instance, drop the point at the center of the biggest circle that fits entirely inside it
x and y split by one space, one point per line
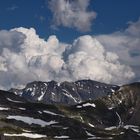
112 15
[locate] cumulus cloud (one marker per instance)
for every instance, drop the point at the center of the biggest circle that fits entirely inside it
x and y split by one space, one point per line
24 57
11 40
90 60
72 14
126 44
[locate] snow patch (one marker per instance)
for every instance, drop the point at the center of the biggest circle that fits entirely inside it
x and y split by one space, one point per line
89 134
91 125
89 104
49 112
28 135
73 89
39 112
58 84
97 86
29 89
26 131
13 100
21 108
112 90
110 108
110 128
69 95
65 128
4 108
30 120
61 137
42 94
33 92
52 93
78 106
46 84
99 138
133 127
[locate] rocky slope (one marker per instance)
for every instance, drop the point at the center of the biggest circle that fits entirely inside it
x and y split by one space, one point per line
114 116
68 93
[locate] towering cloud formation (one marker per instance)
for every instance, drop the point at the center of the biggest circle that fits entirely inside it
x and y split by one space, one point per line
72 14
25 57
126 44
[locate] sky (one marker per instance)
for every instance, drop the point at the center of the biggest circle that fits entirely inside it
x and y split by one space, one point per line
69 40
112 15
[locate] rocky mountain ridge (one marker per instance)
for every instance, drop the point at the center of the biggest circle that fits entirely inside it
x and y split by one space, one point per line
113 116
68 93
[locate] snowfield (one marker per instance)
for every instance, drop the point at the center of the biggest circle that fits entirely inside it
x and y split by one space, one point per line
31 120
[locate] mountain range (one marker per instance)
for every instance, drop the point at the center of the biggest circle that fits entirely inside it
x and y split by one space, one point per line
68 93
84 109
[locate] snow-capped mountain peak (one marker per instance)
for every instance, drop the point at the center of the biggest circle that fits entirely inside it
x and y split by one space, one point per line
65 92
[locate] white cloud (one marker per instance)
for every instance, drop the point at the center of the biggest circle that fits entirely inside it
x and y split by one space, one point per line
11 40
72 14
25 57
126 44
90 60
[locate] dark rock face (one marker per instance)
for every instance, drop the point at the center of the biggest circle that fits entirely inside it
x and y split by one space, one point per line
126 101
68 93
114 116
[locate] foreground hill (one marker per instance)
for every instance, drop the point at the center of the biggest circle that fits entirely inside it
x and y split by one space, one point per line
114 116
